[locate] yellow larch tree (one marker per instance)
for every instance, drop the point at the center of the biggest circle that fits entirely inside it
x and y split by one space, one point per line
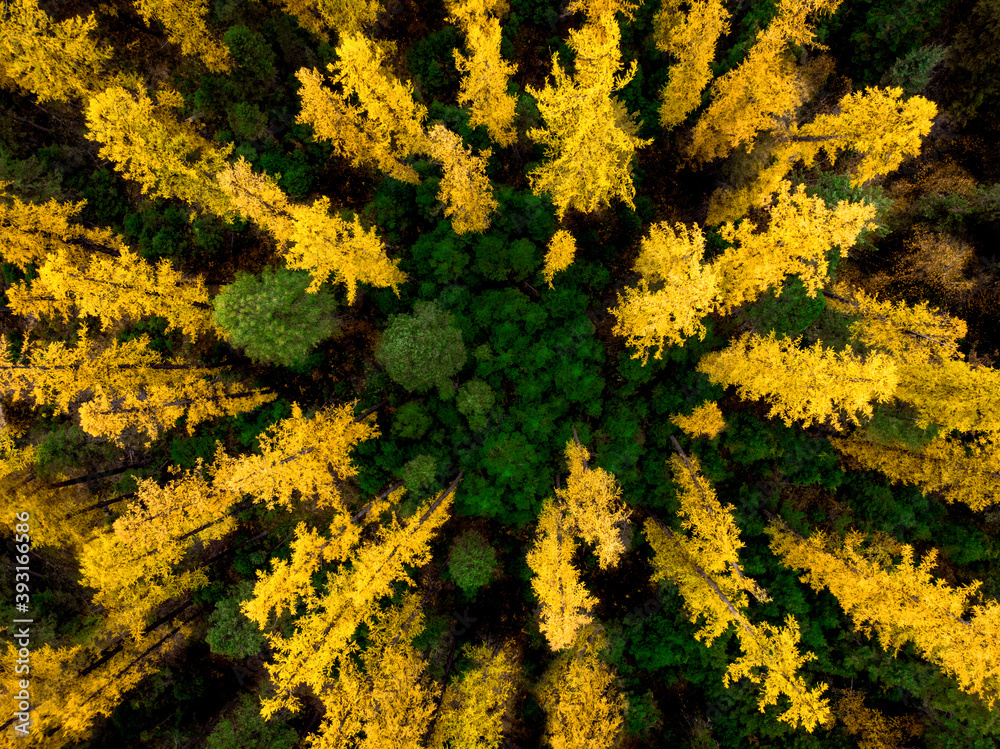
184 22
705 420
343 16
476 707
53 522
322 636
304 457
157 404
952 394
584 707
877 731
876 123
589 136
384 128
714 536
146 143
73 686
902 602
763 88
465 189
313 239
485 73
137 565
912 334
560 254
565 602
676 290
329 246
592 498
112 290
392 700
770 655
809 384
801 232
961 470
55 61
690 38
32 231
131 386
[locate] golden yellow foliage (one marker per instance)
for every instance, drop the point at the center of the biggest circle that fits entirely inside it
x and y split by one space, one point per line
556 582
485 73
685 291
184 22
562 250
55 61
877 730
392 701
148 144
302 457
158 403
815 384
136 565
801 232
326 245
343 16
691 39
770 655
705 421
32 231
112 289
902 602
875 123
966 472
763 88
465 189
476 707
131 387
68 696
592 498
583 705
350 598
915 334
387 125
589 137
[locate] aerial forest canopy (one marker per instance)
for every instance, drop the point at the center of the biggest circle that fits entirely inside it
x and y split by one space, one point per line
500 374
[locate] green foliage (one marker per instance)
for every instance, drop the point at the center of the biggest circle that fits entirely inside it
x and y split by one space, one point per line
895 424
419 473
787 314
883 31
230 633
475 399
422 350
496 259
67 449
273 317
411 421
432 64
643 715
246 729
247 121
471 562
32 179
254 58
913 72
